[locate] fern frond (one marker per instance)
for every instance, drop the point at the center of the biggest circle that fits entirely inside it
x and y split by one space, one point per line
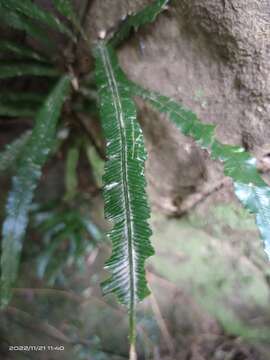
22 52
58 227
65 7
20 22
250 188
30 97
11 110
33 11
124 186
20 69
12 151
24 183
146 15
19 104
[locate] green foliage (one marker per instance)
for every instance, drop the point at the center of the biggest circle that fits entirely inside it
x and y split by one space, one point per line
20 22
26 69
209 247
249 186
124 186
65 7
134 21
71 172
12 151
96 163
25 182
31 10
68 236
20 51
19 104
10 110
21 97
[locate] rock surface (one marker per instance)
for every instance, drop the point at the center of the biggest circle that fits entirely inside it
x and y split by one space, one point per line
212 55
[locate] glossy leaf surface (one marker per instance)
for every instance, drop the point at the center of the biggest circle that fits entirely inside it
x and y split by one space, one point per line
25 182
124 186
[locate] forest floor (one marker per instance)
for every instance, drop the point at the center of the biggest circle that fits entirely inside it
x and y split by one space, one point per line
210 298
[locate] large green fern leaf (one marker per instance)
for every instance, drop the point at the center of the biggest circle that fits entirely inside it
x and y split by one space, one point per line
24 183
249 186
124 186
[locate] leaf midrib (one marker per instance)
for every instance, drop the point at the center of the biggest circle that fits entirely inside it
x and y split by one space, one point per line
123 138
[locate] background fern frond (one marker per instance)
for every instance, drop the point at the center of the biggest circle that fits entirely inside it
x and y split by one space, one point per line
71 180
68 236
25 182
95 161
12 111
19 97
65 7
33 11
26 69
20 22
21 51
19 104
124 186
146 15
250 188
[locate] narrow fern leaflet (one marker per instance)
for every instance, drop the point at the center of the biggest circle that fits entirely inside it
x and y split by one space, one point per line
124 184
146 15
65 7
14 69
31 10
21 51
33 157
249 186
21 22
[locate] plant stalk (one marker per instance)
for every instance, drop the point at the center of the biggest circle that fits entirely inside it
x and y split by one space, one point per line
132 335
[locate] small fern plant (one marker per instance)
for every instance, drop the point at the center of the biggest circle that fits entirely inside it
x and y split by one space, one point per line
125 198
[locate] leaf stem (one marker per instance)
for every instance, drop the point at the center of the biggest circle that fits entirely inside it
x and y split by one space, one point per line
132 338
